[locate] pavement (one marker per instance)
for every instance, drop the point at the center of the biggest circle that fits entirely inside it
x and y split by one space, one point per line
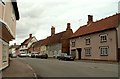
18 69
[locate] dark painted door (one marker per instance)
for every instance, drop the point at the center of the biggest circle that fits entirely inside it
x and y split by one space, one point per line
79 53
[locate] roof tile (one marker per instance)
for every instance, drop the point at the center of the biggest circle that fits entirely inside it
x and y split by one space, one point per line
103 24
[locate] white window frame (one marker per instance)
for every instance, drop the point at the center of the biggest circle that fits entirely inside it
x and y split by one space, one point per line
104 50
103 37
88 51
5 53
73 42
86 41
13 15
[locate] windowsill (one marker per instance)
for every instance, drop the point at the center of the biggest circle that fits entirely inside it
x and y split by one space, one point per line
87 55
103 41
103 55
73 46
4 61
87 44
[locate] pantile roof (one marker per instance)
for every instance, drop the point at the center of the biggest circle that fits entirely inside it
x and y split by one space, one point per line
103 24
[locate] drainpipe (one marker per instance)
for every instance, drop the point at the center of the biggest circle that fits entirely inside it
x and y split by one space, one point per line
117 53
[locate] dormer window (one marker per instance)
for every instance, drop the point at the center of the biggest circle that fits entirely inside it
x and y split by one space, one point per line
103 38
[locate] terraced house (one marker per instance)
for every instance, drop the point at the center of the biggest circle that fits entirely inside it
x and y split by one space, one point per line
55 43
98 40
8 15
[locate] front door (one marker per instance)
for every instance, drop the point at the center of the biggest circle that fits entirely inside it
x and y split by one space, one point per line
79 53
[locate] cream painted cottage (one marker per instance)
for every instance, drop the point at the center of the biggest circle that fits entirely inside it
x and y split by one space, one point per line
98 40
9 14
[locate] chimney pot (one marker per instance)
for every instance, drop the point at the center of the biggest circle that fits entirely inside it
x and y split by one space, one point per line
14 43
90 19
30 35
52 30
68 26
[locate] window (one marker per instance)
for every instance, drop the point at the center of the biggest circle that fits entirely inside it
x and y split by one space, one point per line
104 51
88 51
103 38
4 53
73 44
87 41
13 15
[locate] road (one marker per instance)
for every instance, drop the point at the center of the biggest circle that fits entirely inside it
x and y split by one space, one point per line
58 68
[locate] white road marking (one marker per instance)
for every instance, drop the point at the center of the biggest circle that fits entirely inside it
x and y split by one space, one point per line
35 75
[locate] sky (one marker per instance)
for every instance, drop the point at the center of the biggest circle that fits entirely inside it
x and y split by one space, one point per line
38 16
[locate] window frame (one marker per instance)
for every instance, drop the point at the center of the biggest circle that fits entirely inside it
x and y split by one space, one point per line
88 51
73 43
103 49
103 38
86 41
5 48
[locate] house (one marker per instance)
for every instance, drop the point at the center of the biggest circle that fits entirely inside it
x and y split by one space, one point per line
9 14
24 47
54 44
97 40
35 47
12 49
58 42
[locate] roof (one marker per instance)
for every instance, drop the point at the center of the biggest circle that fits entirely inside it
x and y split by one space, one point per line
14 3
101 25
27 41
56 38
14 46
38 43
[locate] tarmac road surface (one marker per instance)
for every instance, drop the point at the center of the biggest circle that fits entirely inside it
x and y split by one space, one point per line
59 68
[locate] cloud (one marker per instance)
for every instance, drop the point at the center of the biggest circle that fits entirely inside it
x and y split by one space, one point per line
37 16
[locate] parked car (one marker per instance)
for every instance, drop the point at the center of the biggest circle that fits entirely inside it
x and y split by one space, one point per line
42 55
69 58
61 56
29 54
13 55
34 54
22 55
64 56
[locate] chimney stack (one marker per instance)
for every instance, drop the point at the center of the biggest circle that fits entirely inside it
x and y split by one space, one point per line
14 44
52 30
68 26
90 19
30 35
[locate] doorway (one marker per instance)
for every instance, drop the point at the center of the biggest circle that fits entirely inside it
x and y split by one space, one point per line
79 53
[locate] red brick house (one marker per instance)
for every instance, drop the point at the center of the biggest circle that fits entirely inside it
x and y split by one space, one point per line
97 40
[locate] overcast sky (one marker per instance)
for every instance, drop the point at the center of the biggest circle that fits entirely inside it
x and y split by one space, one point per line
37 16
